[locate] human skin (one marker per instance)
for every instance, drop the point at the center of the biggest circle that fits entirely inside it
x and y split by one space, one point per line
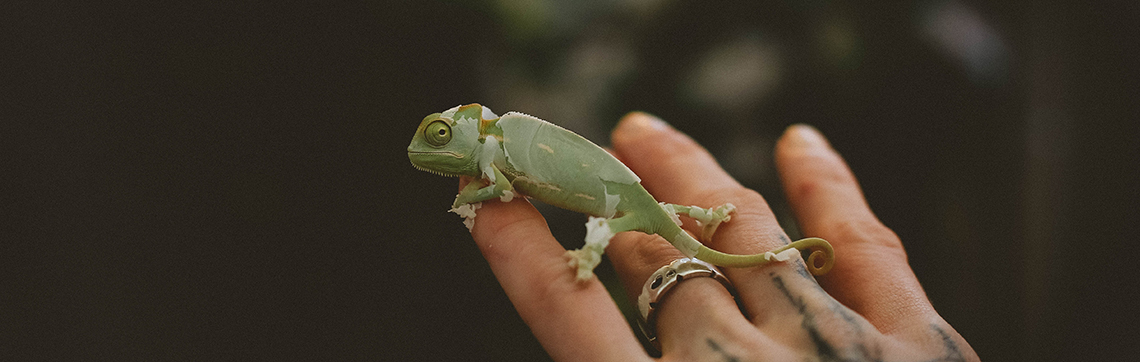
869 307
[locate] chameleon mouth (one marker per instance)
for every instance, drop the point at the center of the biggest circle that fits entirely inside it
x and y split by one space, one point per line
412 157
444 174
417 154
449 153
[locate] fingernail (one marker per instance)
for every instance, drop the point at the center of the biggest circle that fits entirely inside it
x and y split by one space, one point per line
807 135
646 120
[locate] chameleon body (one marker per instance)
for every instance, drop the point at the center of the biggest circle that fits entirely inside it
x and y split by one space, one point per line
520 154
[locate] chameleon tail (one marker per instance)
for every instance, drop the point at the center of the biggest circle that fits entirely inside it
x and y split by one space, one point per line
820 249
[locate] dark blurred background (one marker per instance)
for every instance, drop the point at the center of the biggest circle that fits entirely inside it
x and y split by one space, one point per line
229 181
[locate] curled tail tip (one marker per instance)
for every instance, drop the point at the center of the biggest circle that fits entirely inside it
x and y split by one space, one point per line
819 249
819 261
817 269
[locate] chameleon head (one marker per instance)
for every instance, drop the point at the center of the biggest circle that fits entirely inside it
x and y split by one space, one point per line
447 143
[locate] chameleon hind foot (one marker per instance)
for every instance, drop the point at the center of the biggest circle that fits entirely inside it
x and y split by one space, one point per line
707 219
585 259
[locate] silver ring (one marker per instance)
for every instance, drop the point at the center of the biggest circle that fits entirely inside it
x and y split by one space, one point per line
665 279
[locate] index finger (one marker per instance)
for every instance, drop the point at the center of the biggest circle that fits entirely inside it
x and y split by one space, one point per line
565 315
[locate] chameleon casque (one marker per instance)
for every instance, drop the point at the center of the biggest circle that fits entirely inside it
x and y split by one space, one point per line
520 154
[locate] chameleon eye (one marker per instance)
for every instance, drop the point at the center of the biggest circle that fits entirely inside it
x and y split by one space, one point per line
437 133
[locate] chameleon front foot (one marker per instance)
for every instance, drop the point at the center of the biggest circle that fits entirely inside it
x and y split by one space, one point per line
467 211
584 260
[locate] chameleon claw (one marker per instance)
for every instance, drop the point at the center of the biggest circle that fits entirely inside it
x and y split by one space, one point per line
467 211
709 220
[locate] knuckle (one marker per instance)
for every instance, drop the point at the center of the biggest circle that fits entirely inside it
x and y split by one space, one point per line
866 232
519 228
804 189
821 182
744 198
551 284
654 251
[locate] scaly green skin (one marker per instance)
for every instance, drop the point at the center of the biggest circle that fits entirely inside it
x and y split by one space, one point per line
517 153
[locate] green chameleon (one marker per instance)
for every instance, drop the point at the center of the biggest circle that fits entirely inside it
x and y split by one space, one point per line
520 154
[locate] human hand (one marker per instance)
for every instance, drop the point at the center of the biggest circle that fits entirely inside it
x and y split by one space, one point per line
869 307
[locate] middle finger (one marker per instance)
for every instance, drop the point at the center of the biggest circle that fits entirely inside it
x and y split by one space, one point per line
675 169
